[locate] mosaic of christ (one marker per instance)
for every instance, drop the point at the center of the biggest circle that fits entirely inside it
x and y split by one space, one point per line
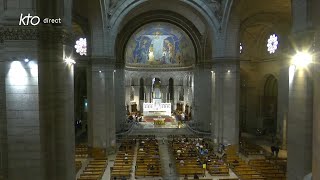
159 43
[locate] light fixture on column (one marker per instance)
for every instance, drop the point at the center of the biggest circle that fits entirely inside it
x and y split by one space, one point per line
69 61
100 71
229 71
26 60
302 59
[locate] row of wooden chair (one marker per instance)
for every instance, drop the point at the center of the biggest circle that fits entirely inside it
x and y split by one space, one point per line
188 160
94 170
267 169
82 151
148 158
123 163
249 149
243 170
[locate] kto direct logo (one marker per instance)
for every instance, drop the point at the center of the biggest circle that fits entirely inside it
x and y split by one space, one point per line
35 20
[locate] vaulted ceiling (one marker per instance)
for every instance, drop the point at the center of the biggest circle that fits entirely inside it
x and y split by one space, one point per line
259 19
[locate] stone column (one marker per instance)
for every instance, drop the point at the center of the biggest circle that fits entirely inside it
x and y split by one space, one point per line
302 112
56 105
282 111
110 99
97 103
20 121
3 118
215 101
202 94
316 112
90 114
101 93
226 102
120 106
300 125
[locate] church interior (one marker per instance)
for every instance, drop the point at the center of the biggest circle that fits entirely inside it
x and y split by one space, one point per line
159 89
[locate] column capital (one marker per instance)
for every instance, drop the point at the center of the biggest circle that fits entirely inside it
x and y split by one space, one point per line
204 65
226 60
303 39
59 35
228 67
102 60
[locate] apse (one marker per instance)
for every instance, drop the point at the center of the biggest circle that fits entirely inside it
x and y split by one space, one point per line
159 44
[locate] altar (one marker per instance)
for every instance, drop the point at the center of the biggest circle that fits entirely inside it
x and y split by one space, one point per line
159 121
157 108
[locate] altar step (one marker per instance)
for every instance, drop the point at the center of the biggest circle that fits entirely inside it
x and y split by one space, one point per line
160 131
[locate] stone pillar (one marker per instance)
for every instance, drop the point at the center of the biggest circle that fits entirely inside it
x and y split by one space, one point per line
226 102
3 118
282 111
97 104
102 104
110 98
56 105
300 125
302 114
215 101
120 105
316 112
19 121
202 94
89 112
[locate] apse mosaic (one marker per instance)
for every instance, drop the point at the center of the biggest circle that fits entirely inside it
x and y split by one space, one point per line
159 44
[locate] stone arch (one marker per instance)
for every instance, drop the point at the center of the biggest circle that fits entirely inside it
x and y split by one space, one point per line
201 7
270 103
159 16
193 11
271 86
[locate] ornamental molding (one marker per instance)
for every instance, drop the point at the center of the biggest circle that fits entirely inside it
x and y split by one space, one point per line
18 33
55 35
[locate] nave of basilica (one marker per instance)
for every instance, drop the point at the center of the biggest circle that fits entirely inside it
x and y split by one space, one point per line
159 89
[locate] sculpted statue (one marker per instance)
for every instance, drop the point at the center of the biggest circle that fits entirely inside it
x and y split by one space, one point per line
216 5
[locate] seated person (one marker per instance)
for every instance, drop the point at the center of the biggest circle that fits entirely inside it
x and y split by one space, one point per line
181 162
195 176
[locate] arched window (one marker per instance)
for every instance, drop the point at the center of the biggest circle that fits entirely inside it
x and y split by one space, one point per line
171 90
271 86
141 90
